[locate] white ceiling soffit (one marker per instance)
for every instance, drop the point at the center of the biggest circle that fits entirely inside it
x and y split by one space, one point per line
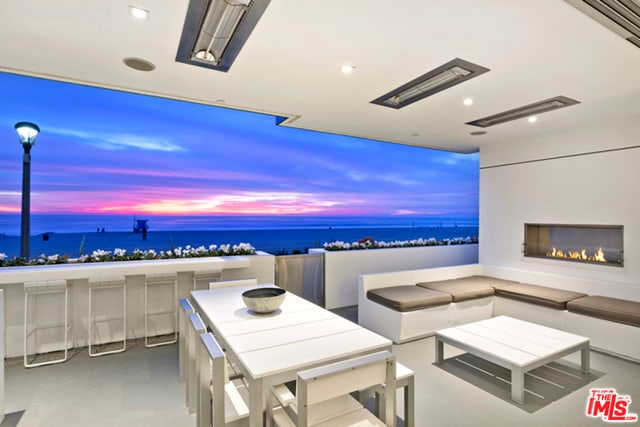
290 65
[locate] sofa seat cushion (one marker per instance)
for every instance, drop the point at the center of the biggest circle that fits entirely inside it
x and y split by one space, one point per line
460 290
541 295
408 297
614 309
490 281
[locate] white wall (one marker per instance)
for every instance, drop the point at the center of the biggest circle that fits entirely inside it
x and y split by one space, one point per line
587 176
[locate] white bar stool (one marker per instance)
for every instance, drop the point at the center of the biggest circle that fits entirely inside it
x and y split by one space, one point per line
205 276
183 317
159 281
102 285
32 292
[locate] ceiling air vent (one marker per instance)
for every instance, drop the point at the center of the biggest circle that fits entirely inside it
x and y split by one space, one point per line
526 111
620 16
441 78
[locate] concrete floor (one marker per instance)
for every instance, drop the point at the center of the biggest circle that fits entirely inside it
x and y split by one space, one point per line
140 388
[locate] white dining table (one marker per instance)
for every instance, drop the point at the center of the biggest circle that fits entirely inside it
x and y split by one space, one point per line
271 348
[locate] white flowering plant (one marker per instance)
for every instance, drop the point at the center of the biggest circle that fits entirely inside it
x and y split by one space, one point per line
120 254
178 252
370 243
43 259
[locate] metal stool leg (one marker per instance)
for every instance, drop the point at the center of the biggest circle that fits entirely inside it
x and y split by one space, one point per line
101 284
154 281
35 289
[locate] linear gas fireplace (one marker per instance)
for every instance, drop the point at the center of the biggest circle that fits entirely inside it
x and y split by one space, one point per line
593 244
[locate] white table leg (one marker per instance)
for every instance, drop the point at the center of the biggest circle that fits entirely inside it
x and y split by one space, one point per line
439 351
584 359
255 402
517 385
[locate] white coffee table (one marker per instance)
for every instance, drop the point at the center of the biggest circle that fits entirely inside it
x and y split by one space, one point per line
513 344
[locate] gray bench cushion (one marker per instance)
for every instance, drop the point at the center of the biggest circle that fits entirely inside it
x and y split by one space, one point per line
490 281
460 290
614 309
408 297
541 295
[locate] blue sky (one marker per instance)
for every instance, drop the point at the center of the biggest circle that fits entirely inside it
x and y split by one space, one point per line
109 152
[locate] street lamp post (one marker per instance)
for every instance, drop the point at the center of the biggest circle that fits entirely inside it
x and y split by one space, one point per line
27 133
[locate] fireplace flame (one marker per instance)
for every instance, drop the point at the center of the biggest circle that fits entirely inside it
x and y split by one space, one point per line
580 255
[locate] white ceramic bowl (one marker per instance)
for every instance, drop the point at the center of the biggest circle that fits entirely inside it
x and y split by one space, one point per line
263 300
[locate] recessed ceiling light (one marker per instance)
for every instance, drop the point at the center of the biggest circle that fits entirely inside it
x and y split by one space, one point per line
138 13
532 119
346 69
468 101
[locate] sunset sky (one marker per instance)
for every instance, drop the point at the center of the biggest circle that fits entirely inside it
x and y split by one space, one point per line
108 152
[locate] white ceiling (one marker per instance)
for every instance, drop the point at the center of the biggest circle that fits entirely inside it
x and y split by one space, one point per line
290 66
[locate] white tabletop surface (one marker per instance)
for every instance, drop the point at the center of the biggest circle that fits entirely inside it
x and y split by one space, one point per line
298 335
273 347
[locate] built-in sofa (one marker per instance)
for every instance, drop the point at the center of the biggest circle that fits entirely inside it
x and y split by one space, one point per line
408 305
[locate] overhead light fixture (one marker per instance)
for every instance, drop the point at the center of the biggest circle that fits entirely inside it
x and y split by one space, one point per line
526 111
468 101
532 119
347 69
620 16
445 76
139 13
215 30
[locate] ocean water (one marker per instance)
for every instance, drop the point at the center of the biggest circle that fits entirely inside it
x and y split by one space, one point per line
64 234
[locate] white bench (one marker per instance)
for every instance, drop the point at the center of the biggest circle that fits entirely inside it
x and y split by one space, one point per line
410 325
608 336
